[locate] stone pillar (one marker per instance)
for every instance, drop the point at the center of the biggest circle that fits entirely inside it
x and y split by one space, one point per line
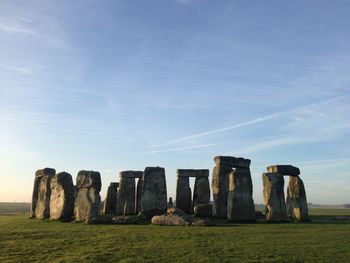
220 181
87 200
219 187
183 193
275 207
296 199
240 205
110 204
40 206
154 192
138 195
201 192
127 195
62 197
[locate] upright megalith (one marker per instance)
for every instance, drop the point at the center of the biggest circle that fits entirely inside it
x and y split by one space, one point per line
220 182
240 205
296 199
62 197
219 187
275 206
201 191
183 193
110 203
87 200
153 192
127 192
40 207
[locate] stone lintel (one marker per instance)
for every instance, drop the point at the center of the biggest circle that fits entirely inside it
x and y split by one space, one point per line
284 169
45 172
234 162
192 173
131 174
114 184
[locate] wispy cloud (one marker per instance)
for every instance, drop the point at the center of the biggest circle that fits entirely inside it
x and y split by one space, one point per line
182 148
325 134
184 2
15 68
16 28
235 126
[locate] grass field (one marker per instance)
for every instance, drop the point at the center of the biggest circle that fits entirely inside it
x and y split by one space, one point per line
322 240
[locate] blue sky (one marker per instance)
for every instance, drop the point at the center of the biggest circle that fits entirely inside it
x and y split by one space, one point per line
117 85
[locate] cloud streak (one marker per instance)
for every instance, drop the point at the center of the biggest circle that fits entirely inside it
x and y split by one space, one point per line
183 148
235 126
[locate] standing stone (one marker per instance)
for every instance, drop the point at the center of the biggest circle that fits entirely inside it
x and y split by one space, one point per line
127 192
296 199
88 200
40 207
170 203
201 192
138 195
154 192
183 194
275 207
62 197
110 204
240 205
219 185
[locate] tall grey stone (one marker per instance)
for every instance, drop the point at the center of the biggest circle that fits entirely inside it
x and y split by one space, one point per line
154 192
219 186
62 197
275 207
110 203
284 169
201 191
183 194
87 200
40 206
127 200
296 199
138 195
240 205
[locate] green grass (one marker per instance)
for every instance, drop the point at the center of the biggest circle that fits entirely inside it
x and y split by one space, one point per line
322 240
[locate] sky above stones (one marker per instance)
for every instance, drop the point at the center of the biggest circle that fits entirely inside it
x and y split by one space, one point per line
119 85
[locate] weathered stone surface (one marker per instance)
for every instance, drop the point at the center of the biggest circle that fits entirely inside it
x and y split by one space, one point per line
170 203
203 210
192 172
169 220
138 195
296 199
275 207
240 205
284 169
201 192
40 206
126 196
183 194
110 203
233 162
62 197
89 179
154 192
219 186
87 200
131 174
